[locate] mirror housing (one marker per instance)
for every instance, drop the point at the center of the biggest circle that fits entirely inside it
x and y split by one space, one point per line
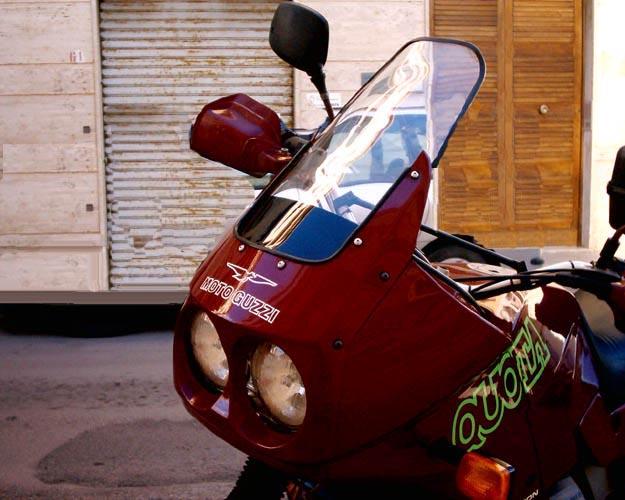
300 36
616 190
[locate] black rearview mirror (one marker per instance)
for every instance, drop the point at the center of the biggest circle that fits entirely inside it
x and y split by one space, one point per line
300 36
616 190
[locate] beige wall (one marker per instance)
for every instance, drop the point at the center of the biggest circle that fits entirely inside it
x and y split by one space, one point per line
52 225
51 170
608 109
363 36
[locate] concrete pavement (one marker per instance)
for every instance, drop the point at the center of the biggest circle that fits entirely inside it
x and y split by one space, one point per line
99 418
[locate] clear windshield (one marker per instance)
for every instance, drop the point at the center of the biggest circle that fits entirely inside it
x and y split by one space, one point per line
409 107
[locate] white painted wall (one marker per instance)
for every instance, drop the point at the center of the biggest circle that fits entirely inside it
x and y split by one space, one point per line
608 109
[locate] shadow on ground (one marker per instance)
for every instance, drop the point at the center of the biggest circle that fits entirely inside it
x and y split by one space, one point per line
141 453
86 320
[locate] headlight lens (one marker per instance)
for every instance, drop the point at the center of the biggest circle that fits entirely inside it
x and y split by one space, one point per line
279 384
208 351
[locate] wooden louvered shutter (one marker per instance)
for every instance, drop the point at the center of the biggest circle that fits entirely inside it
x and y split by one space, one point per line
469 170
547 71
511 175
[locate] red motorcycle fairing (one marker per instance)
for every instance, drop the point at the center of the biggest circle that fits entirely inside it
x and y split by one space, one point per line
402 377
392 446
536 431
559 420
312 315
419 345
416 333
568 385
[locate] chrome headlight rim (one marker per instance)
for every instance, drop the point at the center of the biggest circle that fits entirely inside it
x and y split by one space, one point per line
196 367
262 407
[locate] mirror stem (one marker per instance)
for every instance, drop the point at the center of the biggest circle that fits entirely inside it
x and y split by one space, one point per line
325 97
319 81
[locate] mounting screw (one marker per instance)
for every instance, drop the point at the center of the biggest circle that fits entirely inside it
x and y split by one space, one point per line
337 344
415 175
281 264
241 248
384 276
358 242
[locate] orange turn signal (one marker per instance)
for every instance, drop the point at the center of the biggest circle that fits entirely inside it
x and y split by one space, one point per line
483 478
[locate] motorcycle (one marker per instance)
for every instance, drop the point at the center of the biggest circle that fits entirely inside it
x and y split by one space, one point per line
320 342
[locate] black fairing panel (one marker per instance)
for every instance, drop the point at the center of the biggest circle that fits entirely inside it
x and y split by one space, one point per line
608 346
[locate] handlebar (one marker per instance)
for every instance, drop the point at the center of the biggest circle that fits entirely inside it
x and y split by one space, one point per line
294 140
594 281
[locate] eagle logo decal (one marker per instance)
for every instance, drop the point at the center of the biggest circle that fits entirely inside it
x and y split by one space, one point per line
243 275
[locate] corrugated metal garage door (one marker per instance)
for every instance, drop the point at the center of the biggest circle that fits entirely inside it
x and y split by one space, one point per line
161 62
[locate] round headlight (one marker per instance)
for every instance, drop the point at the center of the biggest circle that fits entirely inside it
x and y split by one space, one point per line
208 351
279 385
